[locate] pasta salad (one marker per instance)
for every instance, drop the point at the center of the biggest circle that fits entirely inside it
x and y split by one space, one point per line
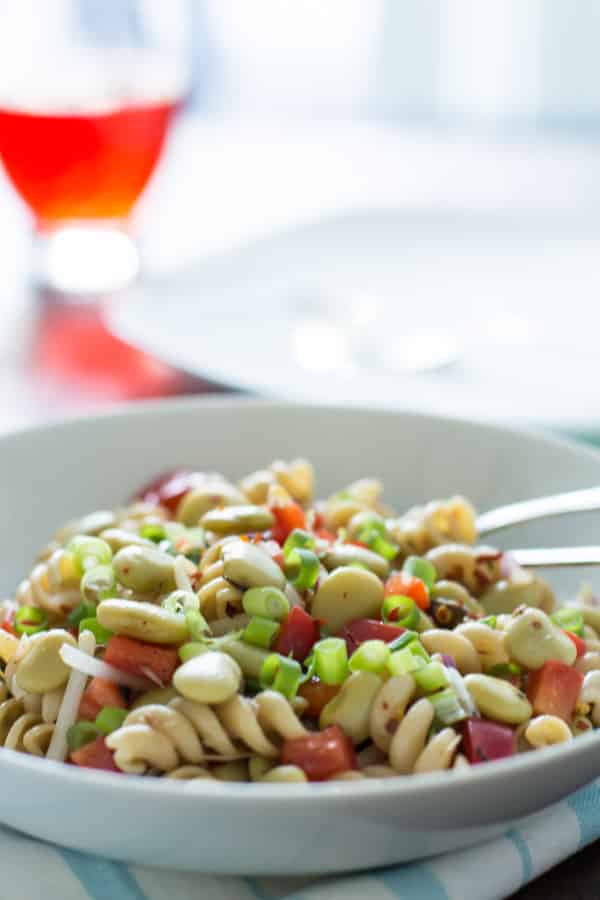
248 632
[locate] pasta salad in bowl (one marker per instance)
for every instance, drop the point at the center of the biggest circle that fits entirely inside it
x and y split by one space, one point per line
250 632
291 665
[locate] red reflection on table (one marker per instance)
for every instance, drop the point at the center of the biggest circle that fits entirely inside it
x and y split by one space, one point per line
72 349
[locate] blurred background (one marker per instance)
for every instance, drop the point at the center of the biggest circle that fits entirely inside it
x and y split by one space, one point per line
375 201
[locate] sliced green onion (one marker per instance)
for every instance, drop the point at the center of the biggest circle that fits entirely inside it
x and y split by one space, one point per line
371 656
194 648
403 662
197 625
80 734
401 611
153 532
570 619
85 610
490 621
102 634
383 547
282 674
89 552
371 525
260 632
30 620
420 568
342 495
186 603
329 660
266 603
508 671
417 649
302 568
110 718
178 601
431 677
98 583
373 533
296 540
407 638
447 708
311 666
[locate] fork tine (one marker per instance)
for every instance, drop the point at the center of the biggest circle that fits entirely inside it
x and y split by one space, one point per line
557 556
585 500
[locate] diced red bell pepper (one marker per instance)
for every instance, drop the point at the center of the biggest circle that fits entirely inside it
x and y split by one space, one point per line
484 740
553 690
286 519
579 643
168 488
140 658
358 631
407 586
98 694
320 755
297 634
95 755
324 534
318 695
318 520
274 550
7 625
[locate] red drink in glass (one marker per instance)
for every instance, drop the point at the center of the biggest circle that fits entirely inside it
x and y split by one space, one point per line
70 165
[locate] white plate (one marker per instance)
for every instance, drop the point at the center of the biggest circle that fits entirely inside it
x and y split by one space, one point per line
502 316
50 474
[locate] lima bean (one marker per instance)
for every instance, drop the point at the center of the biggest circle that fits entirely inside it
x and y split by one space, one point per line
143 621
41 667
117 538
525 590
498 699
237 519
347 593
346 554
212 677
532 639
351 707
248 566
145 570
206 496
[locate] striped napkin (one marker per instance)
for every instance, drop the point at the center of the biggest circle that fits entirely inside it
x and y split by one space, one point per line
30 869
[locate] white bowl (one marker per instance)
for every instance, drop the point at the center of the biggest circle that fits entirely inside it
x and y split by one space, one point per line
52 473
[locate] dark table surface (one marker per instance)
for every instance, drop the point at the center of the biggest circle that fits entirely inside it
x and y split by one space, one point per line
578 878
57 359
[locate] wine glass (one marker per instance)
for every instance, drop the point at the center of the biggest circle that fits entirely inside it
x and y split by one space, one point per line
88 91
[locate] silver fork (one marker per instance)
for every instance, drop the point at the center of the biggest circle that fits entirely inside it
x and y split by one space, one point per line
585 500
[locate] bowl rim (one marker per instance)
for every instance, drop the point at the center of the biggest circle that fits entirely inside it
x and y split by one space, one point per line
302 793
401 787
230 399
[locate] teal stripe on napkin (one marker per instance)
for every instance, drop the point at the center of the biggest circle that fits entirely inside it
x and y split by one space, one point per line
586 806
523 850
413 881
102 878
